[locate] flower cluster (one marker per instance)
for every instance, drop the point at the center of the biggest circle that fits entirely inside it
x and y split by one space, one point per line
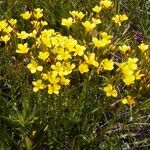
130 72
7 27
118 19
128 100
53 57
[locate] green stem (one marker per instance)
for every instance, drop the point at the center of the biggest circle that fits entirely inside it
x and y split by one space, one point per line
28 143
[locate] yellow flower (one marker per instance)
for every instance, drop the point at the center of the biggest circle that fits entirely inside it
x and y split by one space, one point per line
143 47
124 101
45 76
43 55
96 21
76 14
44 23
124 48
88 26
123 17
129 79
138 75
132 63
38 13
83 68
22 48
79 50
58 69
26 15
91 60
96 9
38 85
127 71
33 66
36 24
110 91
33 34
100 43
48 33
108 64
67 22
8 29
80 15
129 100
51 77
118 19
70 44
12 22
22 35
129 66
5 38
3 24
106 36
46 41
64 81
64 55
68 68
106 4
53 88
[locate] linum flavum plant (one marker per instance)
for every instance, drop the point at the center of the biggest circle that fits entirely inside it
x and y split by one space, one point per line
89 57
54 57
